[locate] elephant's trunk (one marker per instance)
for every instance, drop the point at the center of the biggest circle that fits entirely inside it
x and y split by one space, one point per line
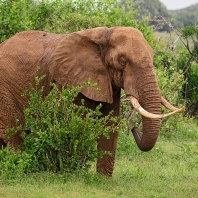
148 138
150 119
151 126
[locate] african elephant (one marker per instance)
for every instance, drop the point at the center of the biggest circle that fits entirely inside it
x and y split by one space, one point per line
114 58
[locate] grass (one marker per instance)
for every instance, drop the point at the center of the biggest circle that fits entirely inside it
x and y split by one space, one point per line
169 170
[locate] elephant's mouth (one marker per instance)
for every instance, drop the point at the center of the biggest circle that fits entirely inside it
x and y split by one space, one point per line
147 114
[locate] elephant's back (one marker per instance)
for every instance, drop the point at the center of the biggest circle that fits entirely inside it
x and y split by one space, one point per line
22 54
25 49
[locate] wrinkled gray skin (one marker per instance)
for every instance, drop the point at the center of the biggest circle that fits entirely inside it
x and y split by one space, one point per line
114 58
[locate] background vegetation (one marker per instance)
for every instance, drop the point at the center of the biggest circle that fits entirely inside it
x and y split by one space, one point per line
158 12
170 169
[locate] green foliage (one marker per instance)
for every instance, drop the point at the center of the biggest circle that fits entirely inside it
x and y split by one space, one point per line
159 15
181 128
189 37
189 65
62 136
21 15
171 83
14 164
66 16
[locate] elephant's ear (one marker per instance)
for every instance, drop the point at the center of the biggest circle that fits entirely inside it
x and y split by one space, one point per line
76 60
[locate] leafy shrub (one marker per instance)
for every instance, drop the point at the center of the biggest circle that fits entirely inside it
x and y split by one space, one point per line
170 76
179 54
189 38
67 16
63 135
14 164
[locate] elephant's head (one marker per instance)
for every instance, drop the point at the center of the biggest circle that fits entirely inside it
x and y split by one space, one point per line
114 58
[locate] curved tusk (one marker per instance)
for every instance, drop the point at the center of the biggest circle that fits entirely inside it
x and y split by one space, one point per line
145 113
168 105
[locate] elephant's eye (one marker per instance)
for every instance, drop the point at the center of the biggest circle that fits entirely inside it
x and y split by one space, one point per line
122 61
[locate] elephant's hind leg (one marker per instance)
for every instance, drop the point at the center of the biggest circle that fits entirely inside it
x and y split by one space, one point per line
3 142
8 117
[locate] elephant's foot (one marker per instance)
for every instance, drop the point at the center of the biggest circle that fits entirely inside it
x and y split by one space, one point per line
105 165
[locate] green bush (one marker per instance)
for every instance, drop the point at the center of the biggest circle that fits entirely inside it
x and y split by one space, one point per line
63 16
14 164
167 61
189 38
63 136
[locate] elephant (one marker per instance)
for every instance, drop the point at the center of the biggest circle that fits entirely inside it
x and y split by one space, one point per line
114 58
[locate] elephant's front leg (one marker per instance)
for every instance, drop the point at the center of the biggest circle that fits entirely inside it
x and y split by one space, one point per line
105 165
